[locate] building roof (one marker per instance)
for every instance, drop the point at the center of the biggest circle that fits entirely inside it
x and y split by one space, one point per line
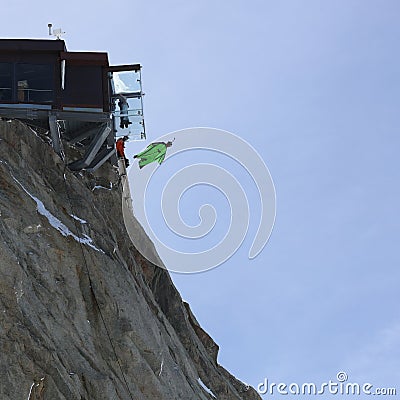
40 45
53 46
85 58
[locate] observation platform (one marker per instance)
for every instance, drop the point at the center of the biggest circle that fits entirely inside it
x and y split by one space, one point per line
77 96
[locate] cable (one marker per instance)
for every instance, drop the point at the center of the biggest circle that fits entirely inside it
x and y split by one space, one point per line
91 285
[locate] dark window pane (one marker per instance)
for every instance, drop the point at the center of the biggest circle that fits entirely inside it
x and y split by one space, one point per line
35 83
83 86
126 82
6 81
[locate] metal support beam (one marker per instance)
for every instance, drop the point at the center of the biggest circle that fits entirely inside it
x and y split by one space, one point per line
55 135
92 149
22 111
100 159
82 134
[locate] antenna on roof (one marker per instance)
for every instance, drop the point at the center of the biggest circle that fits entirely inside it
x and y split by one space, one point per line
57 33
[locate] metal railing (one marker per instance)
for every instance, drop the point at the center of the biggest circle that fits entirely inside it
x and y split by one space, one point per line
35 95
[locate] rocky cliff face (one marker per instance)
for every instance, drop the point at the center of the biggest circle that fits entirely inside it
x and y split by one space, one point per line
82 314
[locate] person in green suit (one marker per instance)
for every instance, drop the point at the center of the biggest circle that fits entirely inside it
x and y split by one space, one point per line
154 152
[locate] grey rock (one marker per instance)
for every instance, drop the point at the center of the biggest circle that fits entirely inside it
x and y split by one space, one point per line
83 316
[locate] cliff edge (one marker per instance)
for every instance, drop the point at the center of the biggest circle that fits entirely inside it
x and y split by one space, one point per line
83 316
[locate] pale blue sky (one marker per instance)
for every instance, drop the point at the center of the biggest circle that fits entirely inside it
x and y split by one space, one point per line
314 87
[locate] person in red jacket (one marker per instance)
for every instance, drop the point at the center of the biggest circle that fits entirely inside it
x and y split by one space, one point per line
121 149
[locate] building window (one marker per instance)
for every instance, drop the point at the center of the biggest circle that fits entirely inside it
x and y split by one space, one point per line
83 86
34 83
6 81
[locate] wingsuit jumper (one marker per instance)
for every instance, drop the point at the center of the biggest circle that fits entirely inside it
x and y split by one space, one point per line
121 149
155 152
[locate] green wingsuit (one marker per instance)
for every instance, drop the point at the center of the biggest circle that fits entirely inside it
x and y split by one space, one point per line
154 152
